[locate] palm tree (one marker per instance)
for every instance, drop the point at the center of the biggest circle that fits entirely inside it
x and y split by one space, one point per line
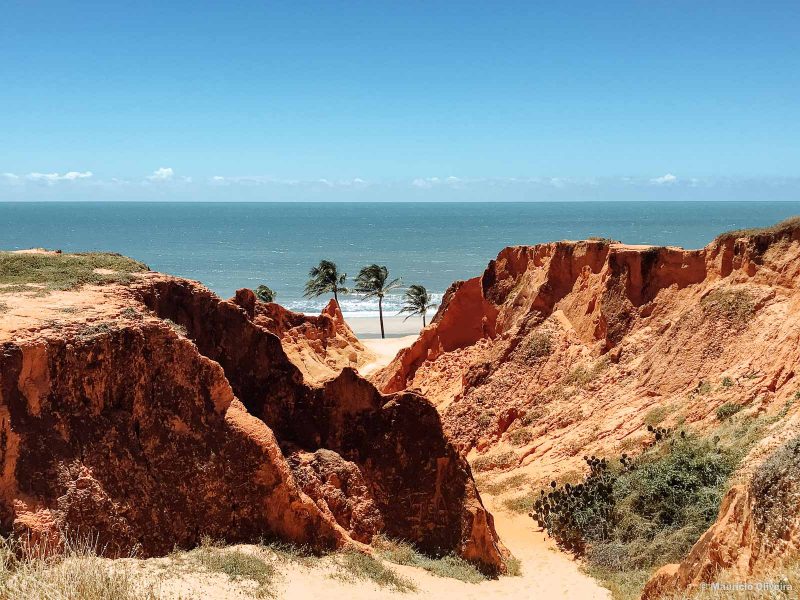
265 294
417 302
372 282
325 279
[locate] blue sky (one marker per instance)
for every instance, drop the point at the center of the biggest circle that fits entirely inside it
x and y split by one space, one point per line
399 100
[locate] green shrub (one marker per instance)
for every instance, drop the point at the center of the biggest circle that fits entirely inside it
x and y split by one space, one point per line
656 415
449 566
728 409
727 382
639 513
735 304
537 346
357 565
775 488
490 462
237 565
265 293
520 436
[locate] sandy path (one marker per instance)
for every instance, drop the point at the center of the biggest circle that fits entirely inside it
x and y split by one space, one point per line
385 351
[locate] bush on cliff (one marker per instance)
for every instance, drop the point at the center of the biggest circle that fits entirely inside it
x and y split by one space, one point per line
775 488
634 514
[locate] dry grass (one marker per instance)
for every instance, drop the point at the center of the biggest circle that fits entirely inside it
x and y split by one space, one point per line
353 565
537 346
449 566
783 227
515 482
76 573
735 304
490 462
520 436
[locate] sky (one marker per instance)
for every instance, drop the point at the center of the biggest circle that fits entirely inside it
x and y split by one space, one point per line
397 101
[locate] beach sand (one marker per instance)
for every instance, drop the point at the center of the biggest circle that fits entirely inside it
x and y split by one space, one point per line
369 327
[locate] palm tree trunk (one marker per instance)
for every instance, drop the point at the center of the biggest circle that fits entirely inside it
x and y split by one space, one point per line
336 296
380 314
423 321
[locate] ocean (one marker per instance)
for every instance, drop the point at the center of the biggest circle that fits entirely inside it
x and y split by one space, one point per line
232 245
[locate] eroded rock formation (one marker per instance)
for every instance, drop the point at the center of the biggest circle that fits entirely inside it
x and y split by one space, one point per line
573 348
320 346
157 413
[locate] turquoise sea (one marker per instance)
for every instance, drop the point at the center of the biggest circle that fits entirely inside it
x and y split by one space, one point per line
233 245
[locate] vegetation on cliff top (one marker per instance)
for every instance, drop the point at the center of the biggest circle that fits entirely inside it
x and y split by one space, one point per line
64 271
783 227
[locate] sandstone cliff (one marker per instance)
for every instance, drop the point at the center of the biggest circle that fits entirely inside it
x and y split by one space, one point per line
151 413
573 348
320 346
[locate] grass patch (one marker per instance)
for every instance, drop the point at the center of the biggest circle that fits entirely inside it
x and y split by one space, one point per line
75 573
623 585
775 488
533 414
64 271
91 331
449 566
354 565
784 227
176 327
656 416
490 462
727 410
238 566
504 485
735 304
520 504
537 346
629 516
3 307
520 436
583 375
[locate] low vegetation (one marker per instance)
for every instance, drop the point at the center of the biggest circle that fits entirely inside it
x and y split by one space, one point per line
490 462
238 565
495 488
449 565
786 226
64 271
656 416
3 307
728 409
775 488
353 565
631 515
538 345
520 436
735 304
77 573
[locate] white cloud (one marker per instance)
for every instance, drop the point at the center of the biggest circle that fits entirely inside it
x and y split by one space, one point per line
667 179
162 174
10 176
51 178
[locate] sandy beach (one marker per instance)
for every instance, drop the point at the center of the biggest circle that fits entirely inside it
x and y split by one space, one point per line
369 327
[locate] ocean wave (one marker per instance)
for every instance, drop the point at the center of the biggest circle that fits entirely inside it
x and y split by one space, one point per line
353 306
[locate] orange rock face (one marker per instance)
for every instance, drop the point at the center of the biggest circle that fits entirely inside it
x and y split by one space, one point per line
152 433
320 346
572 348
